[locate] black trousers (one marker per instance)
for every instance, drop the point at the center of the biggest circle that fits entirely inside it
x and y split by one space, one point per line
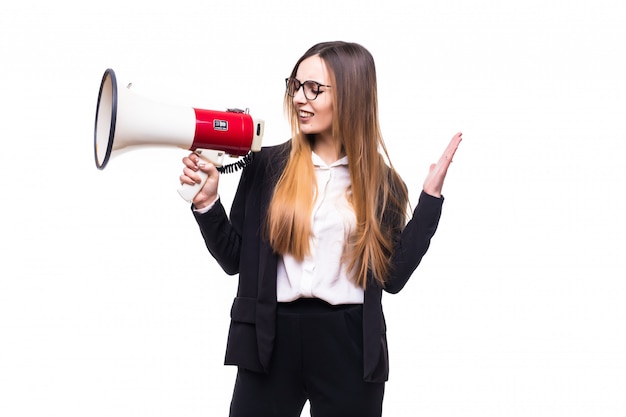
318 355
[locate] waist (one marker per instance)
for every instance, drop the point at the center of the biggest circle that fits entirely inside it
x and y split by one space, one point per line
312 306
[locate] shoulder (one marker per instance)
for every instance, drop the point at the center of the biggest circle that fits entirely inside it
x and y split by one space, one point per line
270 159
265 167
276 152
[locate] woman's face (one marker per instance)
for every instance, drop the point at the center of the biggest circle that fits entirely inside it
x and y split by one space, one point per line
315 116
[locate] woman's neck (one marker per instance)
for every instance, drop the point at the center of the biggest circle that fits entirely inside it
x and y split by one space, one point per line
329 149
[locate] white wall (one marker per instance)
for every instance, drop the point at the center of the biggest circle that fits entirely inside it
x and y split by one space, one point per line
111 306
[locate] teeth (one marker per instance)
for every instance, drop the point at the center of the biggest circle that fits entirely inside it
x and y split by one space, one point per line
305 113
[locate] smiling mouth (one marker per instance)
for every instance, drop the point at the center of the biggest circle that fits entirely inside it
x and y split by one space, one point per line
305 114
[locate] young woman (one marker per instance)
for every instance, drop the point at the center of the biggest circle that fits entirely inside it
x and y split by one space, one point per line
317 231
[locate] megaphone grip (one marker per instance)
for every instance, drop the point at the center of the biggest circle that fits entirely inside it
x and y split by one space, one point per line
188 192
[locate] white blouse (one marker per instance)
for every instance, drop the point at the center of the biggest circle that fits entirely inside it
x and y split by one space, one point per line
322 274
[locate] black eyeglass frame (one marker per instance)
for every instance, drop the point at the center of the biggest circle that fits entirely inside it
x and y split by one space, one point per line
301 85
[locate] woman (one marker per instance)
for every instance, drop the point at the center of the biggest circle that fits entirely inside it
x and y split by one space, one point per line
317 230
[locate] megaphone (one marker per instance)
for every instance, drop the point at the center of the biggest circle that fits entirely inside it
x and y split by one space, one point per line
125 121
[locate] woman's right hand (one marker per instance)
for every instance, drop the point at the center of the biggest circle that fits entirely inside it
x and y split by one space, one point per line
208 193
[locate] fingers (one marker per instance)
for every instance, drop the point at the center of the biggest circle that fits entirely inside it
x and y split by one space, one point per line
448 154
437 172
193 163
189 176
453 146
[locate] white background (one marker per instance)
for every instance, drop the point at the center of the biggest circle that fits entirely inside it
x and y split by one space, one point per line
111 306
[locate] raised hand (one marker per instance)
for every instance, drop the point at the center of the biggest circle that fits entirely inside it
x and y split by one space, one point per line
437 173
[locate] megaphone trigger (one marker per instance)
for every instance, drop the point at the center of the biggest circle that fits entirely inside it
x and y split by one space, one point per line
212 156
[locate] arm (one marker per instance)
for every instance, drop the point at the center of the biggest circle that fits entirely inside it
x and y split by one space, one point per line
229 237
222 238
415 239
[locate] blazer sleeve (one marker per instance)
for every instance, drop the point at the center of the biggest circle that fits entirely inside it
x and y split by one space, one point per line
220 237
414 241
229 237
223 234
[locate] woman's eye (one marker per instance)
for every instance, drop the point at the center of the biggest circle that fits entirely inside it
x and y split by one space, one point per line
312 88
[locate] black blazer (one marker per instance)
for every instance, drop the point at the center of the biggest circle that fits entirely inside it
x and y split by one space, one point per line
237 243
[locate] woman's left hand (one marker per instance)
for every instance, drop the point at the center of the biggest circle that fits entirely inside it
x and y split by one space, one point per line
437 173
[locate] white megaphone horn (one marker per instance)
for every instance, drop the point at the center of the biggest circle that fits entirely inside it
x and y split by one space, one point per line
125 120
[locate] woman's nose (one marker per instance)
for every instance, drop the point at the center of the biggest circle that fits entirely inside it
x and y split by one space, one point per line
299 96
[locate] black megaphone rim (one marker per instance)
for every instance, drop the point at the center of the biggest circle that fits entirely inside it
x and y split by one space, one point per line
109 73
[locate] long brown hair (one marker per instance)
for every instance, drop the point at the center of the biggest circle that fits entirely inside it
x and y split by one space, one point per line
376 189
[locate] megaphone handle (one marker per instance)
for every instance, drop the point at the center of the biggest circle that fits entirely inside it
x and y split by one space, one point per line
188 192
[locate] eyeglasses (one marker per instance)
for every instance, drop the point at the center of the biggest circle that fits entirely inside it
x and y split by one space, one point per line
311 88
